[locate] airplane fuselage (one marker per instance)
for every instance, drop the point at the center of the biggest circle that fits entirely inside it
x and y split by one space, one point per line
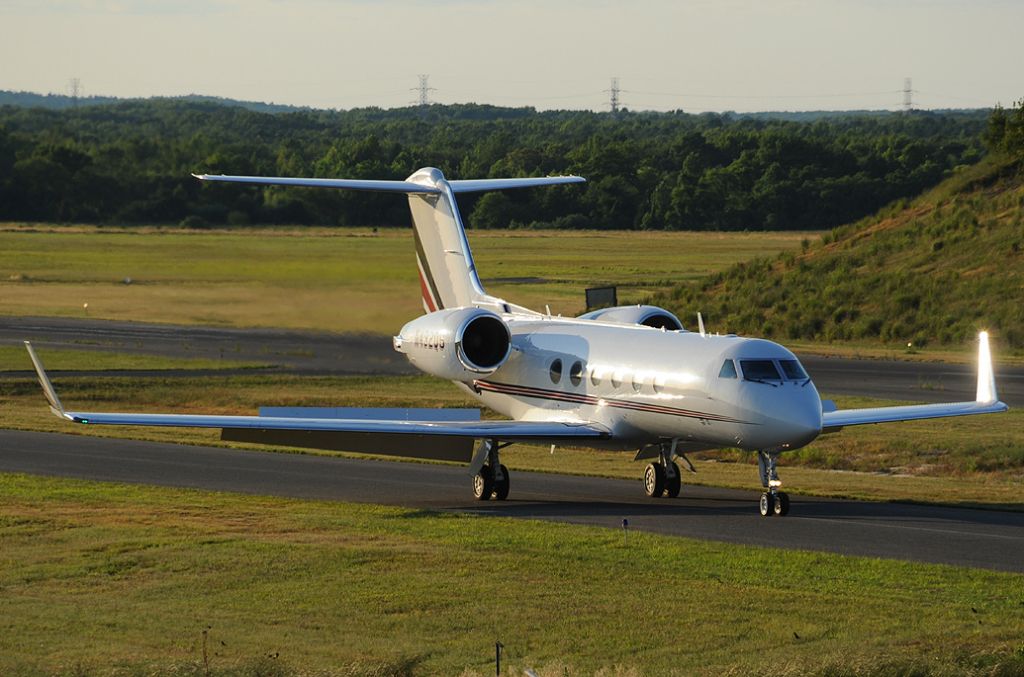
650 385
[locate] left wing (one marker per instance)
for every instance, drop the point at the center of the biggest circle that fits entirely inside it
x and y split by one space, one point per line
508 431
986 402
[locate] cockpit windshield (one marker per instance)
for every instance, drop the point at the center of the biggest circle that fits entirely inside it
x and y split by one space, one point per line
759 370
773 370
792 370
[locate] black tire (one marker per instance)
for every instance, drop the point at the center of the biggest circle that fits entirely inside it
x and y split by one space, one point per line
502 486
483 484
673 485
767 505
782 504
654 480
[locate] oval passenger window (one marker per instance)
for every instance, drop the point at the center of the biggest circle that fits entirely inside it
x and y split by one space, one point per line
556 371
576 373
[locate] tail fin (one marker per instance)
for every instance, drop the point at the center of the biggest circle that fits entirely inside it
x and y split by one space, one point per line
448 276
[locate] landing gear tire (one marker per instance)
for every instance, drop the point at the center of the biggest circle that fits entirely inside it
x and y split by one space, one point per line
502 486
767 505
483 484
674 483
781 507
654 480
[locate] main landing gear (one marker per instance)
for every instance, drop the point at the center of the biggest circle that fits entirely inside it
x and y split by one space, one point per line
663 477
492 479
773 501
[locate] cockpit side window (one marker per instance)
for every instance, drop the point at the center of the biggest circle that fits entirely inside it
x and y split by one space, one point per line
728 370
793 370
760 370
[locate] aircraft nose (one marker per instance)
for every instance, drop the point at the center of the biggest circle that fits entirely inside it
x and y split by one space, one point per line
791 415
802 423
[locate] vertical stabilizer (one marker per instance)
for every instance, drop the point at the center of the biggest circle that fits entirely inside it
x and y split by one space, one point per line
448 276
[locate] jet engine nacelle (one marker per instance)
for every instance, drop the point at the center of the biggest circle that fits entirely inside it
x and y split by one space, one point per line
457 344
649 316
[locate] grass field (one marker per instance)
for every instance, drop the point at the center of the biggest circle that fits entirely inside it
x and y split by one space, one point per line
971 461
334 279
113 579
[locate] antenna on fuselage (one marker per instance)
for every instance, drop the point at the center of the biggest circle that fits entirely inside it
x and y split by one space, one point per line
700 325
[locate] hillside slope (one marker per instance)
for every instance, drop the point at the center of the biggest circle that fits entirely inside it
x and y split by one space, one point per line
933 271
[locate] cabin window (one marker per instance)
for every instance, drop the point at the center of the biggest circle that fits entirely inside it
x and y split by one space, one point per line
595 377
556 371
638 382
576 373
658 384
760 370
793 370
728 370
616 380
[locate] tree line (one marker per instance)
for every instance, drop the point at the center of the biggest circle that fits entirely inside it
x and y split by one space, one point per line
130 163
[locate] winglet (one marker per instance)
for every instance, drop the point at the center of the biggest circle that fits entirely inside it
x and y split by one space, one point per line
51 394
986 377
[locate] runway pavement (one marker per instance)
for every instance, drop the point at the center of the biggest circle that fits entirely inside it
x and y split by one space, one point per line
310 352
975 538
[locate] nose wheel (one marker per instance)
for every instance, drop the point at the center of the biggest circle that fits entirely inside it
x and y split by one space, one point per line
773 500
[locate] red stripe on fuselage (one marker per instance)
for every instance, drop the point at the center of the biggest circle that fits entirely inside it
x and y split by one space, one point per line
575 398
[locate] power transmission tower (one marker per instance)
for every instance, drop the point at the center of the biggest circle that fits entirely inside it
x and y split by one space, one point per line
908 102
74 89
613 96
424 89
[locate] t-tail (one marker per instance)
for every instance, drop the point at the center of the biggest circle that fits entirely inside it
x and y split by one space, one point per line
448 277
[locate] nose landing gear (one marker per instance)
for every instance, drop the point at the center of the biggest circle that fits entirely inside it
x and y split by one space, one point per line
773 501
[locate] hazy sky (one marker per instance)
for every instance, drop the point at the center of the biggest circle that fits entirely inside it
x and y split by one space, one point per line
695 55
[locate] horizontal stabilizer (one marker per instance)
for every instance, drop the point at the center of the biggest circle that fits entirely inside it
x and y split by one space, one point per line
347 184
407 187
476 185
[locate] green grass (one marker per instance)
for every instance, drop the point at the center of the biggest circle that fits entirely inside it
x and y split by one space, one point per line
15 358
970 461
931 272
333 279
113 579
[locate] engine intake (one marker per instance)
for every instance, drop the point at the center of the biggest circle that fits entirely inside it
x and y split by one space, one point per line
459 344
483 343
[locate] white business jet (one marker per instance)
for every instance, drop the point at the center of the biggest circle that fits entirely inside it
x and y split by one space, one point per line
624 378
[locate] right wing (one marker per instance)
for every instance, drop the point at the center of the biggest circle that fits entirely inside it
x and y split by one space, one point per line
509 431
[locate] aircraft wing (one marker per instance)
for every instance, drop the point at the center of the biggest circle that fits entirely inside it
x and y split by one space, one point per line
470 429
986 402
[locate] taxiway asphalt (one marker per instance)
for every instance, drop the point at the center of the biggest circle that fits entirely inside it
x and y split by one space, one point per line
948 535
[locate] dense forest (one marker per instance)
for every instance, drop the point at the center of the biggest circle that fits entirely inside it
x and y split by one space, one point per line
933 270
130 163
